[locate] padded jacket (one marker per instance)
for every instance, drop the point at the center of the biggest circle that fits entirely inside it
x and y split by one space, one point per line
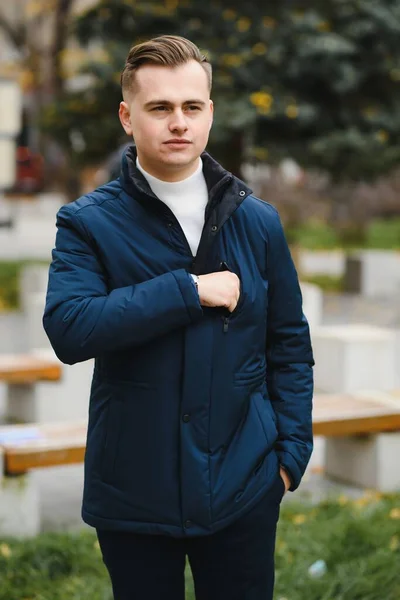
192 409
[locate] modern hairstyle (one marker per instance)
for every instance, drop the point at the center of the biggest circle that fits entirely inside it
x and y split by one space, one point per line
166 50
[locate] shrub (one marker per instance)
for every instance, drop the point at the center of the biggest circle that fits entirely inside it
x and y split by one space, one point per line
10 272
314 235
384 234
327 283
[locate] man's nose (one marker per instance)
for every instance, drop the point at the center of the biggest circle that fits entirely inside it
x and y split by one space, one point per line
178 121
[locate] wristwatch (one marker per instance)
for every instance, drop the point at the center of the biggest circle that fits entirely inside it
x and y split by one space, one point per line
195 280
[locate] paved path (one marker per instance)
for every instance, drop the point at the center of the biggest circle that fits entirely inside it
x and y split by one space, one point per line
350 308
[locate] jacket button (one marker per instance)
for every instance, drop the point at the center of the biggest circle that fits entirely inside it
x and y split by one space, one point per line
242 193
186 418
188 524
214 228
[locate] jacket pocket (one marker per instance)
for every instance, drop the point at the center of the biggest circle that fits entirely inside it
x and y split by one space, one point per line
254 379
267 417
247 463
111 438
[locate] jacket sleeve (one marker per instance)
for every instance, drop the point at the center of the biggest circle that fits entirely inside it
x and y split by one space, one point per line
289 358
83 319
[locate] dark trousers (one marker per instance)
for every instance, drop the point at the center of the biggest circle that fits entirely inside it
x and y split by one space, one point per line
236 563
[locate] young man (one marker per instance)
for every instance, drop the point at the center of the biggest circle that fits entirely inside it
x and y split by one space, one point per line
179 282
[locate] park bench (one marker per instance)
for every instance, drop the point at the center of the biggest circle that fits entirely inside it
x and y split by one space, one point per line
355 414
25 369
22 374
30 446
362 432
343 418
40 389
26 447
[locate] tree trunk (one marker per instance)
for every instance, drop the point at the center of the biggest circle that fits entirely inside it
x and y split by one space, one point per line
60 37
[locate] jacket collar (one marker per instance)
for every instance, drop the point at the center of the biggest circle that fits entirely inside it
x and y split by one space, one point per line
221 184
225 193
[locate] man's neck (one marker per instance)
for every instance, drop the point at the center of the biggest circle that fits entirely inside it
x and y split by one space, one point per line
169 176
151 176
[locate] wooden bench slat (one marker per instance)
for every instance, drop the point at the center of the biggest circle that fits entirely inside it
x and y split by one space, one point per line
336 415
45 445
25 369
19 463
356 426
32 446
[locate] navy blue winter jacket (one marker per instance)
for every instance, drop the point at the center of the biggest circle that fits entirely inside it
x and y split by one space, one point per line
192 409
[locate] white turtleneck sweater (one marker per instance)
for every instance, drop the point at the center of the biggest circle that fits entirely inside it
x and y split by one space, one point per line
187 199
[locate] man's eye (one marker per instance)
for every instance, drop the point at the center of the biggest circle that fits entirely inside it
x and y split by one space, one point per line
194 107
160 108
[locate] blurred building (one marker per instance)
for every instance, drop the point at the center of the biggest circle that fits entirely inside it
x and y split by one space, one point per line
28 24
28 35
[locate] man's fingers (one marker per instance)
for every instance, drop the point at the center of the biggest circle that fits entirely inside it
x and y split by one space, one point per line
233 305
219 289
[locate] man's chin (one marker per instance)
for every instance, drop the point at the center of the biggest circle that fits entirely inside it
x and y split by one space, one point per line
179 162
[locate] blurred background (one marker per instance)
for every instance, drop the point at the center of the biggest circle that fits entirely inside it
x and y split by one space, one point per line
307 112
306 94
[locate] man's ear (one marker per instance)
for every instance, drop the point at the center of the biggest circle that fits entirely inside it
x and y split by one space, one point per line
211 113
125 117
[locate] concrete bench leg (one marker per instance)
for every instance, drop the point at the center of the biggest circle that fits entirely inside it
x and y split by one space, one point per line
21 405
19 505
373 273
367 461
50 401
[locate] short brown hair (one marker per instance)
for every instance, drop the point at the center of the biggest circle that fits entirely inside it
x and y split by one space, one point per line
166 50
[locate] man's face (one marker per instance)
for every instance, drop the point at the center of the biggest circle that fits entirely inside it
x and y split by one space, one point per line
169 114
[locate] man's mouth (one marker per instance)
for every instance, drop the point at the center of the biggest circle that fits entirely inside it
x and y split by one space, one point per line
177 141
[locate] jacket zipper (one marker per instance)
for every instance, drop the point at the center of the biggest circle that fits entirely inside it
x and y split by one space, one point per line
223 265
226 324
177 223
226 318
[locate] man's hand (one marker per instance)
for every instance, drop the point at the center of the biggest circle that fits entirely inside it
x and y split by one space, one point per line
219 289
285 478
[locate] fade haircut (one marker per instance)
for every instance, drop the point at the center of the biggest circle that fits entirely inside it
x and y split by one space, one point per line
165 50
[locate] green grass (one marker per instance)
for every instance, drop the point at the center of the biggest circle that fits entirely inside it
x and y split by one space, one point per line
358 540
381 234
384 234
10 272
314 235
327 283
